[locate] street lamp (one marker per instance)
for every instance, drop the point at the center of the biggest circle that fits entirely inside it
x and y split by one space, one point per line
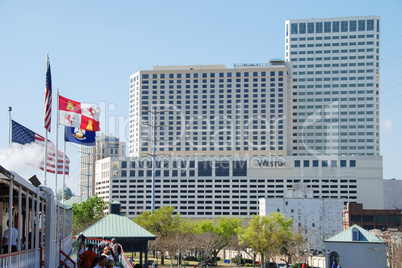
202 257
254 258
154 126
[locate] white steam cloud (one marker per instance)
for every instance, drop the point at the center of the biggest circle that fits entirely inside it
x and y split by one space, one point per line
19 156
387 125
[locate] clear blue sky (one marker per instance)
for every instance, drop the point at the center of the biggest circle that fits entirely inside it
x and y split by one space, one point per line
94 46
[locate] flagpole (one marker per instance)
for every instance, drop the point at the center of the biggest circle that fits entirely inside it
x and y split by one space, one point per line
57 142
45 156
9 126
64 165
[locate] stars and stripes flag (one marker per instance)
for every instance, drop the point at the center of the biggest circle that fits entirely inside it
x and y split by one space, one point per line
23 135
48 97
77 114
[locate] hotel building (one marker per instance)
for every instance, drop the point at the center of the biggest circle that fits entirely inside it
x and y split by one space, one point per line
335 94
211 109
314 117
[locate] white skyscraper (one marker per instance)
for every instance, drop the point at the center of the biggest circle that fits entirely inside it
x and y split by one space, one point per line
335 95
211 109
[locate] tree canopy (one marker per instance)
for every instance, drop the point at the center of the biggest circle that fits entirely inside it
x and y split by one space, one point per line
87 213
266 234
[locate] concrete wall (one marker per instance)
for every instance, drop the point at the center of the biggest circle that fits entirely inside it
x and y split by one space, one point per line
392 194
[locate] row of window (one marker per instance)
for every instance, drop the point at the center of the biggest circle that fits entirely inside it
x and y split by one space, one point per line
221 148
337 148
334 64
342 106
339 58
221 168
183 199
324 163
237 183
334 99
211 81
206 75
222 96
362 43
334 92
208 86
334 37
334 85
302 66
333 27
351 71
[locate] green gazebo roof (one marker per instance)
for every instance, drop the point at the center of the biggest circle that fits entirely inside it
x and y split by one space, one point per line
118 226
347 236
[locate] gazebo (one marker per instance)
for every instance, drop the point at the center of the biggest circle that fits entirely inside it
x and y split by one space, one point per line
356 247
130 235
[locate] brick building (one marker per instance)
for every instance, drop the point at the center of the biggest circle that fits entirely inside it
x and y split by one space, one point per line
371 218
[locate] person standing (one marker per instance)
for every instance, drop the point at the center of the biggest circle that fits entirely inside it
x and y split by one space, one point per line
81 250
81 238
88 257
109 264
339 266
101 262
116 250
6 240
102 245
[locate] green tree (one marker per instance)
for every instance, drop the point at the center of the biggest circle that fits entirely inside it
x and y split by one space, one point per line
161 222
266 234
216 235
87 213
165 225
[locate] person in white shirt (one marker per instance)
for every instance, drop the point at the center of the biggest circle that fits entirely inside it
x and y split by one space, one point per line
14 237
81 250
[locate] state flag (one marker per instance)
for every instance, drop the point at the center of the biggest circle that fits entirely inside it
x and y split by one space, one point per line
77 114
79 136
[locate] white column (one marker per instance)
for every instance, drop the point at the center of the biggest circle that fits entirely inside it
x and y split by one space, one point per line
10 215
33 221
20 218
27 217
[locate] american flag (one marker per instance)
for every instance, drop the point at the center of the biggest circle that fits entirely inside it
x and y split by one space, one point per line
23 135
48 97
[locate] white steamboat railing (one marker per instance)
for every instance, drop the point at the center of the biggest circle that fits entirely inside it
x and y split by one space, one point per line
21 259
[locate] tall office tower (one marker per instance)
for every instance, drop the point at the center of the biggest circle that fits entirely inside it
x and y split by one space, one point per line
335 102
106 146
210 110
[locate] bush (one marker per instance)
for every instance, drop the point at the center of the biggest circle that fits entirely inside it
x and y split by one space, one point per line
191 258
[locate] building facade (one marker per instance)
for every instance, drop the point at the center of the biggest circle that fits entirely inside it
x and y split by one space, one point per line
392 194
316 218
105 146
215 186
211 109
335 94
381 219
318 111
